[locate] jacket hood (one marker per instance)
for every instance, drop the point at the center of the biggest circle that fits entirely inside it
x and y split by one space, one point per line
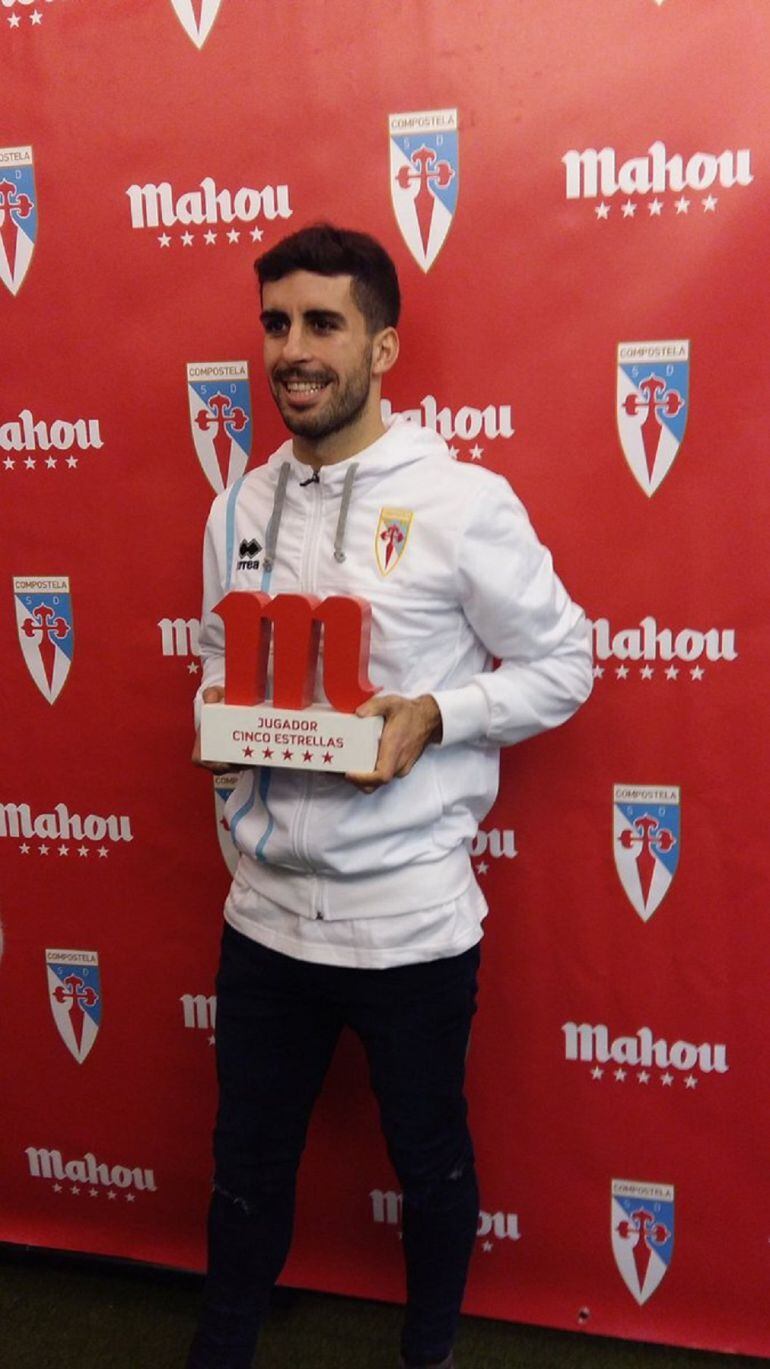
401 444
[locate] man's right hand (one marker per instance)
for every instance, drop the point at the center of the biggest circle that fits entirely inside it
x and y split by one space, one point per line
212 694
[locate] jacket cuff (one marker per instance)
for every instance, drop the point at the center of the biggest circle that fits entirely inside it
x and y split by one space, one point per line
465 714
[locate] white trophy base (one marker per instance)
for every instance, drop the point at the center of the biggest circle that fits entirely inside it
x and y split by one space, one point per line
314 738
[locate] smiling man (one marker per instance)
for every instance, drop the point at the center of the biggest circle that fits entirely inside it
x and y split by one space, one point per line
354 901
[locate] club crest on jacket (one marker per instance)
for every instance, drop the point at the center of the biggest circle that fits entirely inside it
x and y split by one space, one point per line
391 538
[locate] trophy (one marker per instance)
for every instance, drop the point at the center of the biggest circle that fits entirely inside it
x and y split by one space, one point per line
292 731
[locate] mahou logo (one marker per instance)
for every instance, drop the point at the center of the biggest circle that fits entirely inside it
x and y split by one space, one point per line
61 438
492 844
642 1225
219 397
664 653
643 1057
154 205
62 833
466 424
199 1013
492 1228
18 215
88 1176
599 173
179 638
196 18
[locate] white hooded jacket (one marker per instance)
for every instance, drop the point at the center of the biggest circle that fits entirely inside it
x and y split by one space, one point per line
466 582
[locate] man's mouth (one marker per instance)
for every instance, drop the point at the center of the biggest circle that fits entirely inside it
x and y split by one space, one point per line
299 388
304 387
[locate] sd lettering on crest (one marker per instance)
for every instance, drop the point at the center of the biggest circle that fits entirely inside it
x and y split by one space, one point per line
18 215
424 178
44 623
75 994
220 419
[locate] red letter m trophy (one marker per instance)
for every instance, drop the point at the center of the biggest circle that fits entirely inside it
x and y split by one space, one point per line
293 730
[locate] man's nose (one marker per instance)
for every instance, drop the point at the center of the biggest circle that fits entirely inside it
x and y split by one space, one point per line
295 345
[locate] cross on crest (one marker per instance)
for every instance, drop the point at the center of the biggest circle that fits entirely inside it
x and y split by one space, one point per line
224 419
74 987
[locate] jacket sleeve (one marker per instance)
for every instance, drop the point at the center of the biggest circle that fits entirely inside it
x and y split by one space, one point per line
212 634
521 612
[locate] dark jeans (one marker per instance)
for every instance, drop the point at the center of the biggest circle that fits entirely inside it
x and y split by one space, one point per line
278 1021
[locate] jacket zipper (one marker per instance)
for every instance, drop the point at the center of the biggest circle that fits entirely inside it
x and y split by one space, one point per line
309 577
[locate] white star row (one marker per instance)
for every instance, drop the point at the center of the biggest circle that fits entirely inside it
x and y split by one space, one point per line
30 462
655 207
63 850
188 238
75 1190
646 672
34 18
644 1076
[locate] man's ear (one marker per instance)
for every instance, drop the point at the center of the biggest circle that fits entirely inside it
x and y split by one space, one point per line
384 351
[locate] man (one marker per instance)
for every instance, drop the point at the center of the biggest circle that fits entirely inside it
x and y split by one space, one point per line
354 900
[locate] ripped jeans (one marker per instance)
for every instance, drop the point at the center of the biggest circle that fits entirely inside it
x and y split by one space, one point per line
278 1021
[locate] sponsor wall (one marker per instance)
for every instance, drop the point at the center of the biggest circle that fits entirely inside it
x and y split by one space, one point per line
574 199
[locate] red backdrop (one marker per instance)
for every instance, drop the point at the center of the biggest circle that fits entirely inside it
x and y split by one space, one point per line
592 327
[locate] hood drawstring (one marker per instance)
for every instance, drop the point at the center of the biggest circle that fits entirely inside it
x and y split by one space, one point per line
271 535
347 490
279 500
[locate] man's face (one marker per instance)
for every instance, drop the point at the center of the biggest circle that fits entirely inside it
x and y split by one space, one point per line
318 352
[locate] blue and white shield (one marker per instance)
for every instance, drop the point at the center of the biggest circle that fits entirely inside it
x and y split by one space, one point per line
45 627
18 215
223 789
424 179
652 407
220 418
197 17
646 842
75 994
642 1226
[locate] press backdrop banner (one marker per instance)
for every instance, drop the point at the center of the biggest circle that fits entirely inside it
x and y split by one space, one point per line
575 196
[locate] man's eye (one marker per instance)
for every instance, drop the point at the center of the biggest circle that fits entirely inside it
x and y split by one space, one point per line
324 325
274 327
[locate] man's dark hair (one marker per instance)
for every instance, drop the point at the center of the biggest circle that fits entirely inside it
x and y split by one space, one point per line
330 251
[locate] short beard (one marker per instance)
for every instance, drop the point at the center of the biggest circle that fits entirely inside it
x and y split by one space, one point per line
342 410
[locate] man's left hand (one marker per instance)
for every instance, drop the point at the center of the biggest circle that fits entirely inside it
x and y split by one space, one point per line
410 724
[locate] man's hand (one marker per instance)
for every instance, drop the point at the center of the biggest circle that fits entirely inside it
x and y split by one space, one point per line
212 694
410 724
